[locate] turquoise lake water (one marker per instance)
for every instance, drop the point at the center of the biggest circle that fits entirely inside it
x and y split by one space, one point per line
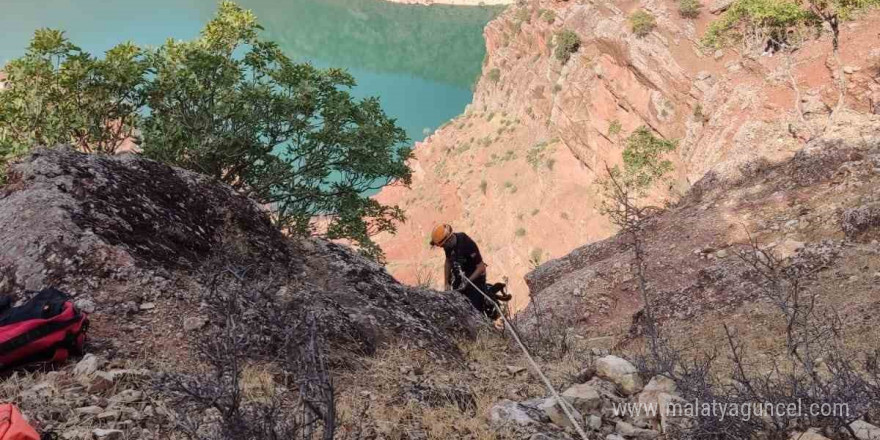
420 61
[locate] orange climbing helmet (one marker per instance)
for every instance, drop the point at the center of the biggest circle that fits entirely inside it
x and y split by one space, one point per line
440 234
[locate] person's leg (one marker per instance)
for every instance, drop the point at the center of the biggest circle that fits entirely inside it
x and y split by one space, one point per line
474 297
485 306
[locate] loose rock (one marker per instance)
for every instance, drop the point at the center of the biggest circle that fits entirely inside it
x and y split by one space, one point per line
620 372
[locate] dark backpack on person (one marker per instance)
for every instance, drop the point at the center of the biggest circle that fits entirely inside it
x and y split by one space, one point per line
46 329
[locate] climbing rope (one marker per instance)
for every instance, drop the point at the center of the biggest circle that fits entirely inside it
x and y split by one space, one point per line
559 400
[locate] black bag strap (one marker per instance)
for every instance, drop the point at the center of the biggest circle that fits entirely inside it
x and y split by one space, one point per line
47 303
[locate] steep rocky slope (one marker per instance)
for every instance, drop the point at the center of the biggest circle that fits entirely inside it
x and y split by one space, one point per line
516 170
145 248
818 211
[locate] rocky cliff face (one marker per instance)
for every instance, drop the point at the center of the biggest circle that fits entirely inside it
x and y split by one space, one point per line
816 212
516 170
130 238
149 251
141 246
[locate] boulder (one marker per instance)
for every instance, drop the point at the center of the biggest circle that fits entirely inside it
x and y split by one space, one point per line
620 372
583 397
508 411
87 366
865 430
650 395
594 422
193 323
859 222
551 407
719 6
133 234
811 434
629 431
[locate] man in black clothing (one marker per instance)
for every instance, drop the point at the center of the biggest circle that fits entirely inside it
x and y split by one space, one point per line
463 256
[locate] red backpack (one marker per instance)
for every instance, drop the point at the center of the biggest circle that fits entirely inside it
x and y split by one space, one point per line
48 328
13 426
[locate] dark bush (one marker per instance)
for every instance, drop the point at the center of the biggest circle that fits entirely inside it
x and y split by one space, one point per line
567 43
642 23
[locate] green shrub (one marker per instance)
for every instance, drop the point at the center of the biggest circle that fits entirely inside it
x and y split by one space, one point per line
520 232
756 16
535 155
227 104
567 43
494 75
547 15
642 22
483 186
643 164
614 128
523 15
689 8
535 257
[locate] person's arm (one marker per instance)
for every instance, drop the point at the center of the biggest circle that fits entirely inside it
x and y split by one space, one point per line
447 272
481 269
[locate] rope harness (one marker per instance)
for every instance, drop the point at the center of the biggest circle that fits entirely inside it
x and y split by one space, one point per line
559 400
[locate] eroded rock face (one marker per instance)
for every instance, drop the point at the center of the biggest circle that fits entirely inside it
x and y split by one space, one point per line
66 215
517 170
814 211
136 241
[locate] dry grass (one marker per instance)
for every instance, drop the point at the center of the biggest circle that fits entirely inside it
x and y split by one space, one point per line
383 398
258 382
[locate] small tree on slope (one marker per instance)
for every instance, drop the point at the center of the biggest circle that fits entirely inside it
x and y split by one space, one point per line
228 105
624 188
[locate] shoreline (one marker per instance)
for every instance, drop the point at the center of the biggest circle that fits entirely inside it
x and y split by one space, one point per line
454 2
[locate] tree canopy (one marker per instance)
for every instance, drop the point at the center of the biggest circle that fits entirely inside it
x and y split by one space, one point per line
227 104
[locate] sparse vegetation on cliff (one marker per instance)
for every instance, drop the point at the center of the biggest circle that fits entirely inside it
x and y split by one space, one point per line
756 21
689 8
536 155
547 15
642 23
523 15
769 24
567 43
494 75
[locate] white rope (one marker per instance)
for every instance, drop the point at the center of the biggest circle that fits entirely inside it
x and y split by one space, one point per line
559 400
